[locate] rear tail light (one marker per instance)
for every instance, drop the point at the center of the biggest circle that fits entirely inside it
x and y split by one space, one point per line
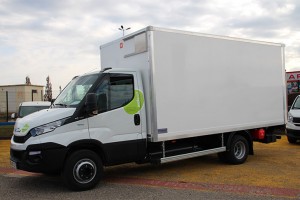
258 134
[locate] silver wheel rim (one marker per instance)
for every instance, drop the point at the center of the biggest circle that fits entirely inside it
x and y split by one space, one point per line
239 150
84 171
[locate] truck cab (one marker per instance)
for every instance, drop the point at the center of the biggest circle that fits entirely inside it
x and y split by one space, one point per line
101 110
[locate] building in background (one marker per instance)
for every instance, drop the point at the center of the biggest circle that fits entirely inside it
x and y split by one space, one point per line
12 95
293 82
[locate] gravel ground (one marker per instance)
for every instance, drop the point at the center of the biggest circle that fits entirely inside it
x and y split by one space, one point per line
272 173
50 188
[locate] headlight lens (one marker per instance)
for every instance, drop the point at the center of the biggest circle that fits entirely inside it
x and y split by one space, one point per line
46 127
290 118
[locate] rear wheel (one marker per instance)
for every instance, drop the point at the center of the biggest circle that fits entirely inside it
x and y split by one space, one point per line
83 170
238 151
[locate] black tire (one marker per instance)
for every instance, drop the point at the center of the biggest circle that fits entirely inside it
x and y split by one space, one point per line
52 173
238 151
83 170
223 157
292 140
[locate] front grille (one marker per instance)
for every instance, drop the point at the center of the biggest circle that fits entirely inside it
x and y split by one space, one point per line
296 120
21 139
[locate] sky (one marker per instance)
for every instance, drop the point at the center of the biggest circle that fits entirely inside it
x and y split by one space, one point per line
61 38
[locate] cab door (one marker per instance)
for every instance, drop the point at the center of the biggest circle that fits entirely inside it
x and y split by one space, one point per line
118 124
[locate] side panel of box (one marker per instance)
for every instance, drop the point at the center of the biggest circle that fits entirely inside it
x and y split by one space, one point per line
207 85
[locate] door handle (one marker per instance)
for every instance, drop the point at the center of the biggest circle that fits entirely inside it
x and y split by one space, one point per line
137 119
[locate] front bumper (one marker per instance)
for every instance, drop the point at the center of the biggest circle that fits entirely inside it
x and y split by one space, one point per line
293 130
293 133
41 158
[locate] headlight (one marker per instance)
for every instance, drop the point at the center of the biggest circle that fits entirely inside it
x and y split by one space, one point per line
290 118
46 127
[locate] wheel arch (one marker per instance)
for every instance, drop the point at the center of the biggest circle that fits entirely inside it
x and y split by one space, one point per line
88 144
245 134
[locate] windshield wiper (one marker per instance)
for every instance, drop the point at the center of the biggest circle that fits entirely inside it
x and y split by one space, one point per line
61 104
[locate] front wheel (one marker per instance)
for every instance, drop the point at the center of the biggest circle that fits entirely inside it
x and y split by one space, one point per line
238 151
83 170
292 140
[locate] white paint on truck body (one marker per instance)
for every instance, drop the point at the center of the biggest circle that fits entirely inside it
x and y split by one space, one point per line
198 84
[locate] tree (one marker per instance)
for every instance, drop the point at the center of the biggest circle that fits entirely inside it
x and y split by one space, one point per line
48 90
27 80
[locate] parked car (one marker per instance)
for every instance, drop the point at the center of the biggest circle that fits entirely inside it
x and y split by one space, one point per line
29 107
291 98
293 124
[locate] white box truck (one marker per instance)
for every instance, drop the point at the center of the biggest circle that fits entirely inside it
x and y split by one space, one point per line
162 95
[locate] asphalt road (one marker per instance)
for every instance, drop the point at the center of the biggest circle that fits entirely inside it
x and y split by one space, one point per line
42 187
272 173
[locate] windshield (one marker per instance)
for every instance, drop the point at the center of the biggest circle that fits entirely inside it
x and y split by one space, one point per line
72 95
26 110
297 103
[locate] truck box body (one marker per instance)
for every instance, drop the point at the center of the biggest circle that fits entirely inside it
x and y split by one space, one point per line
197 84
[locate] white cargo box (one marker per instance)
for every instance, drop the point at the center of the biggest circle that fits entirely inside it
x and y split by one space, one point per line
197 84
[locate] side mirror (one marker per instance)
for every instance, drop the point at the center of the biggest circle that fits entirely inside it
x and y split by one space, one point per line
289 108
91 104
13 115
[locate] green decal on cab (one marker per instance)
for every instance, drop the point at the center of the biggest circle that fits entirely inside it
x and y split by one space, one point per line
25 128
136 104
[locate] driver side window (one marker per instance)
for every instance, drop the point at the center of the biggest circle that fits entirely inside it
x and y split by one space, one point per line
115 92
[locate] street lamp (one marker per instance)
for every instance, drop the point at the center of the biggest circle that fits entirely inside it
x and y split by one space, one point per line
123 29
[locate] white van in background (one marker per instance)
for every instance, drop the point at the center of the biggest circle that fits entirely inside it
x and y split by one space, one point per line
26 108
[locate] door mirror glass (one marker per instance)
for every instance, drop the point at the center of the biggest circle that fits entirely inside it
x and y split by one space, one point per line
91 104
13 116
